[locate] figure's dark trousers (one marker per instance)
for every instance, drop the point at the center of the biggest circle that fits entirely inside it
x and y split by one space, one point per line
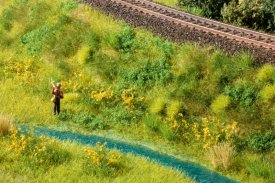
56 106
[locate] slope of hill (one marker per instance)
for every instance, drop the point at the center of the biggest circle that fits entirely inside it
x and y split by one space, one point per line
116 78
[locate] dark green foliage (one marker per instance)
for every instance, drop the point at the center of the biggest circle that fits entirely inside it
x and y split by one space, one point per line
125 39
150 74
256 14
210 8
242 94
89 120
6 18
240 144
261 142
34 40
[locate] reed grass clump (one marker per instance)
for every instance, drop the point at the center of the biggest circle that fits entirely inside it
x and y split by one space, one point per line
5 125
221 155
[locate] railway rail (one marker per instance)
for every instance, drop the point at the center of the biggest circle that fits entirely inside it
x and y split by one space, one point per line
181 26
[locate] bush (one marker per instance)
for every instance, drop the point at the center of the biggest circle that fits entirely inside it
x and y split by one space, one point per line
5 125
261 142
220 103
257 14
242 94
150 74
210 8
125 39
221 156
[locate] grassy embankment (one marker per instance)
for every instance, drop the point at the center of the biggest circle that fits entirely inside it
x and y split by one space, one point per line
127 81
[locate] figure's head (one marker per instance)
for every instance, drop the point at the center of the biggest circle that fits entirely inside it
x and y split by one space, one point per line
58 85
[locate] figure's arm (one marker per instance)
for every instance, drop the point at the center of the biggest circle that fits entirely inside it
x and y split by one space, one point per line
61 95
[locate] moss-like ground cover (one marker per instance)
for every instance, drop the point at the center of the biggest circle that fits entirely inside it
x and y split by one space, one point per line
189 99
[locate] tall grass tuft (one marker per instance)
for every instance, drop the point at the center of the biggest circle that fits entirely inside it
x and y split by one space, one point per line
220 103
5 125
266 73
221 155
83 54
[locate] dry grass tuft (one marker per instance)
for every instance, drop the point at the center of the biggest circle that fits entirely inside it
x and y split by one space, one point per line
221 155
5 125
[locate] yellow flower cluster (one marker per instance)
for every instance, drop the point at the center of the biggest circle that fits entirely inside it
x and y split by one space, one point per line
100 156
128 99
102 95
210 132
23 70
27 145
78 82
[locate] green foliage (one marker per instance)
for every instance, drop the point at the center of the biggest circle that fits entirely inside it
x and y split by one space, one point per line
125 39
261 168
69 5
84 55
242 94
153 122
150 74
173 109
220 103
256 14
102 162
268 93
157 105
266 73
261 142
211 9
6 18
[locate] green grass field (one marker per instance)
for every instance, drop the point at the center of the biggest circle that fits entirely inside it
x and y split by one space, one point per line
184 99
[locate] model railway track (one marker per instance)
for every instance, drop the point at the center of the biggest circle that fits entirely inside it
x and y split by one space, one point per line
234 32
261 45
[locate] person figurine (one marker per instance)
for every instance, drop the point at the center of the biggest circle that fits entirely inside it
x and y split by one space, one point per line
57 95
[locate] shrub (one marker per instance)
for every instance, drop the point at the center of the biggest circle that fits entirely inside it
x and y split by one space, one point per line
83 118
242 94
102 162
266 73
149 75
5 125
261 142
268 93
221 155
220 103
125 39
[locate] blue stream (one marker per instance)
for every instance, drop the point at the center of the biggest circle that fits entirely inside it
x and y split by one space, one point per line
195 171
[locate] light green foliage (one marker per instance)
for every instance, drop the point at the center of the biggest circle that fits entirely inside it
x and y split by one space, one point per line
173 108
260 168
157 105
266 73
83 54
220 103
268 93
